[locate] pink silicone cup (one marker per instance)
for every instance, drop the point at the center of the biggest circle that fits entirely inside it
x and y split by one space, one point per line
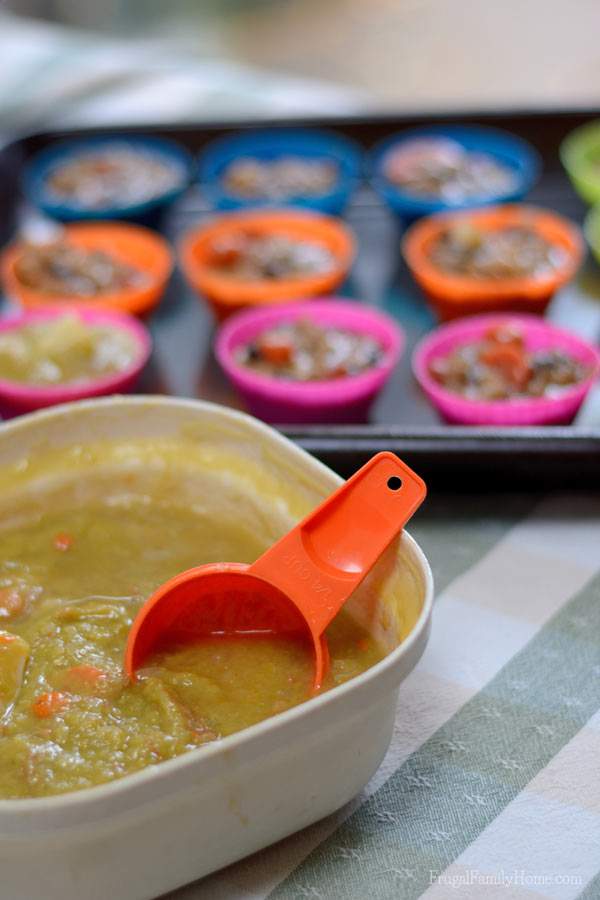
343 400
539 335
17 398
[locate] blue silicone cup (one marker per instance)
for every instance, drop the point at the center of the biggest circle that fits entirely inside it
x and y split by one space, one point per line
513 152
269 144
148 212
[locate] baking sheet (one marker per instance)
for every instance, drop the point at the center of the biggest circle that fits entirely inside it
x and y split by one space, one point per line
402 419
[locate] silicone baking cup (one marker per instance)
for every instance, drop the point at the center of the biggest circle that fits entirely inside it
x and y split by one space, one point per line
510 151
227 295
341 400
17 398
270 144
539 335
452 295
135 245
149 212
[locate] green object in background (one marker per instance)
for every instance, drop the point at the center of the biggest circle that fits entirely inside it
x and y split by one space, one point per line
580 155
591 228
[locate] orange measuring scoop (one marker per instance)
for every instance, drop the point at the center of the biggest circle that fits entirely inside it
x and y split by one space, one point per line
299 584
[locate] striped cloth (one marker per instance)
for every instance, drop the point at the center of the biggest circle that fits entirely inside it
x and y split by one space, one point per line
491 786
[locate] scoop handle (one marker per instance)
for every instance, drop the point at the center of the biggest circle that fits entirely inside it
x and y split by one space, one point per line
323 559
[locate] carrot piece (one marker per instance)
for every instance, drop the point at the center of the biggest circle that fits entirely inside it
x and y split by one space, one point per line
227 251
276 350
89 675
339 372
505 335
510 361
50 703
63 541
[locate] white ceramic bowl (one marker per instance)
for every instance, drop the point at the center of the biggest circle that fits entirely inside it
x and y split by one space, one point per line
151 832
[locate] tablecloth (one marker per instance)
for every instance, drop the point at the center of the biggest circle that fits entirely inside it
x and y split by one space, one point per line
491 786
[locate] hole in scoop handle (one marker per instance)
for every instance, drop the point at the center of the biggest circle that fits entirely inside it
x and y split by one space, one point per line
323 559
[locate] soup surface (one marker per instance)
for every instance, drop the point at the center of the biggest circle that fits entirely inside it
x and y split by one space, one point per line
247 256
71 583
66 270
515 251
116 174
303 350
500 367
280 178
440 168
65 350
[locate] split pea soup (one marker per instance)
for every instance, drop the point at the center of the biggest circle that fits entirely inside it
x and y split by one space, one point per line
64 350
71 582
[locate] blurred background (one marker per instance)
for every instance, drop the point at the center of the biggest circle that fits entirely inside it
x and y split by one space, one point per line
128 60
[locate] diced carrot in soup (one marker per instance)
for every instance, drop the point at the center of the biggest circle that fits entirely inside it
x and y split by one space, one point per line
50 703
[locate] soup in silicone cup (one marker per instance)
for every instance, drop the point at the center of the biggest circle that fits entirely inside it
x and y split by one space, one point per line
453 294
539 337
495 152
115 176
327 238
343 399
311 168
141 251
59 354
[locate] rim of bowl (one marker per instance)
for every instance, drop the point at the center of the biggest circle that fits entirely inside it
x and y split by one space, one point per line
523 158
62 393
458 288
41 164
466 330
340 312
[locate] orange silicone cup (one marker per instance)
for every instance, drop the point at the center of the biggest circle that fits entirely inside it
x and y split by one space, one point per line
453 296
227 295
132 244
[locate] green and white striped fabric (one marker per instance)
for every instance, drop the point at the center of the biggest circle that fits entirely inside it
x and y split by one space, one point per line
491 787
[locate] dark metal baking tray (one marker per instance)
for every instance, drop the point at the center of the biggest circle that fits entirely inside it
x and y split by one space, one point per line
403 420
